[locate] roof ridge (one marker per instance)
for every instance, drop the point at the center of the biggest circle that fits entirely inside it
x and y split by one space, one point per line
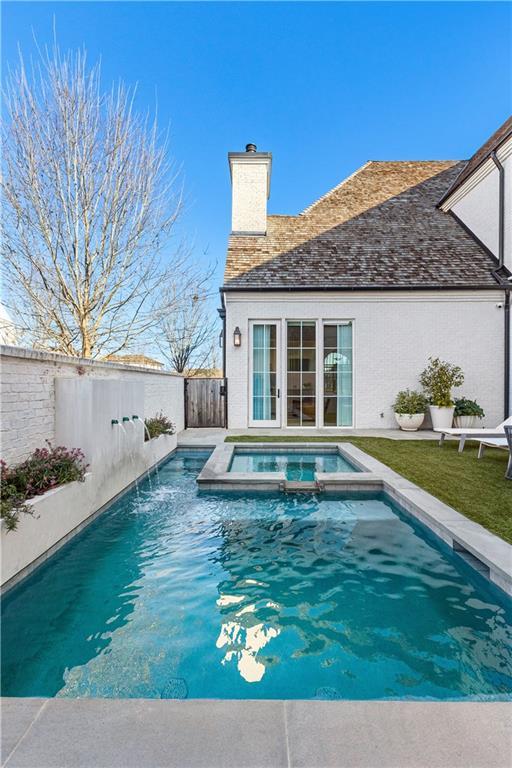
361 168
417 162
330 191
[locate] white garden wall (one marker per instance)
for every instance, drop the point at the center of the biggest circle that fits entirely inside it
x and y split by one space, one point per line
27 383
394 334
72 402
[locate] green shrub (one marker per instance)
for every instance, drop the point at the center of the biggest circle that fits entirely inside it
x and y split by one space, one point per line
437 380
464 407
158 425
45 468
408 401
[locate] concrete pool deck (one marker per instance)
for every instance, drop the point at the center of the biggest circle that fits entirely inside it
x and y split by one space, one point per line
213 436
146 733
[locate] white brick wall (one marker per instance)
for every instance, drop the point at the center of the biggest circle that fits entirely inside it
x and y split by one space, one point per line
28 395
394 334
249 179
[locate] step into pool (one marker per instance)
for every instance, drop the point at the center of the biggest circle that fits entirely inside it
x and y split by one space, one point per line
175 593
296 465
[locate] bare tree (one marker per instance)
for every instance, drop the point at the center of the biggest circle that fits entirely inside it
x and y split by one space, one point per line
188 333
89 201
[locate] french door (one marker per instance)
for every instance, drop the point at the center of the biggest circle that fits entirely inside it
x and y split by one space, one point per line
264 386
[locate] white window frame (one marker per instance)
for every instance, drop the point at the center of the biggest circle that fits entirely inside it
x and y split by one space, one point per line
328 321
318 359
265 423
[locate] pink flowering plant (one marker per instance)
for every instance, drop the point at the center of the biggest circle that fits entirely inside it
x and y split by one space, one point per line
45 468
158 425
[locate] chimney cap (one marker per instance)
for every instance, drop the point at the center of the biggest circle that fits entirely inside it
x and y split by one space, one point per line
250 148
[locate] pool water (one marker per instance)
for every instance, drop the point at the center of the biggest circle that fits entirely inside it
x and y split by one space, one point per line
295 465
179 593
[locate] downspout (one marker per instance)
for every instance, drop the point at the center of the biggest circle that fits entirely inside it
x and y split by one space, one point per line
222 314
507 353
501 259
501 204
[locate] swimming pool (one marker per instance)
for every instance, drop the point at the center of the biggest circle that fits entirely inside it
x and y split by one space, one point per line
176 593
296 465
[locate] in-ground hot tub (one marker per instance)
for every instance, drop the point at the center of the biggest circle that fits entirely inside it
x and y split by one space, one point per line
299 465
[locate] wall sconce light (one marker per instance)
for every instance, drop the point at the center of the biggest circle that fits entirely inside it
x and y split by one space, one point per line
237 337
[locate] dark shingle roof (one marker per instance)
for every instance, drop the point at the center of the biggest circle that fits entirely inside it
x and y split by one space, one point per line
378 228
481 155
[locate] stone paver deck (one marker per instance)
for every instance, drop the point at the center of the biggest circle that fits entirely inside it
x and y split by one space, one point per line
137 733
212 436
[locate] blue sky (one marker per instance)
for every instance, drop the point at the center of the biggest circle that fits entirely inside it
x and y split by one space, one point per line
323 86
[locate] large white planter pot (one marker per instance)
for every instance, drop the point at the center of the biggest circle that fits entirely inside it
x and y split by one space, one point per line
442 418
465 422
409 422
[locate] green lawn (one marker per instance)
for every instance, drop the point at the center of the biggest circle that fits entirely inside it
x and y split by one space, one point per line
478 489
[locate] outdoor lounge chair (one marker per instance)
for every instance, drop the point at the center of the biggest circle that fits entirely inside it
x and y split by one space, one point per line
508 433
473 433
500 442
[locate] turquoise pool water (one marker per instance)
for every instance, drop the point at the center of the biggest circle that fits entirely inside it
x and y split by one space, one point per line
179 593
295 465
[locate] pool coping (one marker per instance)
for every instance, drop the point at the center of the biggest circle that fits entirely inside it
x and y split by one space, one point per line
483 550
130 733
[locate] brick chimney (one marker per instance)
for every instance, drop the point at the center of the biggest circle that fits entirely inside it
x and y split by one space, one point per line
250 184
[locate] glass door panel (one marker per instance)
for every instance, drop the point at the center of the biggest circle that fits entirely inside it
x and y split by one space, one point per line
301 373
263 406
338 410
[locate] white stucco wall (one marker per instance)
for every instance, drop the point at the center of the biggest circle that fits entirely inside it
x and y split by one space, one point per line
27 383
479 209
507 164
476 202
394 334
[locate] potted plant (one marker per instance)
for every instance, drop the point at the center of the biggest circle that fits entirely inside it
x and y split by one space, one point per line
437 380
466 413
409 408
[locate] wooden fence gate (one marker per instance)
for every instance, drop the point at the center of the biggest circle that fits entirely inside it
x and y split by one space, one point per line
205 403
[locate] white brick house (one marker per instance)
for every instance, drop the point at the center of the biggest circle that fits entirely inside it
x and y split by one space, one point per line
328 314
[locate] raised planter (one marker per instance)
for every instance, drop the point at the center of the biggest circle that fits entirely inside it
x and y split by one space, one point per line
442 418
409 422
156 449
62 512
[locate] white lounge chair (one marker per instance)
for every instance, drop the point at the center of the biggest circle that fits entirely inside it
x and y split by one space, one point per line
496 442
473 433
500 442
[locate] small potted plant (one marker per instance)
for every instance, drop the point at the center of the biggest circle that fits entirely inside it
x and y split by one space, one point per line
437 380
409 408
466 413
